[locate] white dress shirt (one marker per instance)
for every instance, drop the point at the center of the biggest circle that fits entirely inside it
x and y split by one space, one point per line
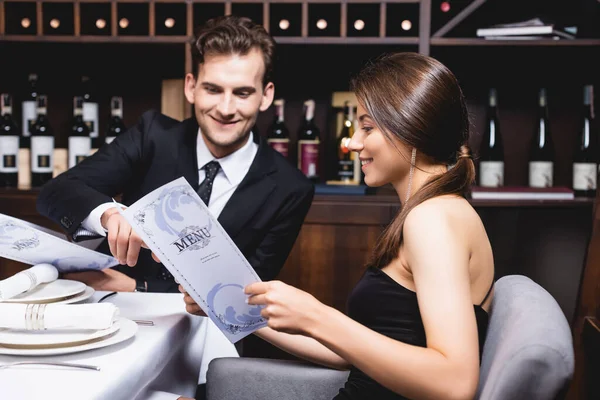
234 168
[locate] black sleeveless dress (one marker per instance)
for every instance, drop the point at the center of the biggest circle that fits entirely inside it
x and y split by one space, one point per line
385 306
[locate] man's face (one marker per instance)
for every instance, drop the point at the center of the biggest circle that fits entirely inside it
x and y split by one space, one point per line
227 96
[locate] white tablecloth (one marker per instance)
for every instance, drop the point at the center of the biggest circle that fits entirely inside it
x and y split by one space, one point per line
170 357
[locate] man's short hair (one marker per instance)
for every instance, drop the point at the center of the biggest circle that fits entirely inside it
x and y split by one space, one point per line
229 35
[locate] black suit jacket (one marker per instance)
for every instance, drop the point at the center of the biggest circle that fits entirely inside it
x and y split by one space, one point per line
263 216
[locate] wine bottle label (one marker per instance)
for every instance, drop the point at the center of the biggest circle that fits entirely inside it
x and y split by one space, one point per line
358 174
585 176
90 117
280 145
346 169
42 154
9 151
29 115
308 157
491 173
541 173
109 139
79 149
24 167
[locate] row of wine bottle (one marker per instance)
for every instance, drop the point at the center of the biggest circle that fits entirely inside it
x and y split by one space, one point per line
38 143
278 136
38 137
309 138
90 107
542 152
37 134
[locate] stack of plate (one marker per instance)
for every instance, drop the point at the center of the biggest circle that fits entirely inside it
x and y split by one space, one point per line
60 291
54 342
61 341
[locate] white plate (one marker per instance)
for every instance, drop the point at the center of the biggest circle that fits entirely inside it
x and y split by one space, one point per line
47 292
127 330
52 337
88 292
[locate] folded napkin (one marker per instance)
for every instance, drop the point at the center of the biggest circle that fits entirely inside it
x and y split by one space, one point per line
27 280
57 316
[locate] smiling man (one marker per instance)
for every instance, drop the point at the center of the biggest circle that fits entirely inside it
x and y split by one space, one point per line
260 199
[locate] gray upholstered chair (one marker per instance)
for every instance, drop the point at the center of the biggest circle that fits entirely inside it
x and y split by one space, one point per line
528 354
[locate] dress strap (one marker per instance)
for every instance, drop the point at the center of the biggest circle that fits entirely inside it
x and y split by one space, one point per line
488 293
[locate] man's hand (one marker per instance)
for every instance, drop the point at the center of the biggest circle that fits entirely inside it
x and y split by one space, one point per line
190 305
107 279
124 243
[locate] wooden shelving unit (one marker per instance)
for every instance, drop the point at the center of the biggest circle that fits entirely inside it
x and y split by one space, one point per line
574 203
424 40
442 41
308 40
94 39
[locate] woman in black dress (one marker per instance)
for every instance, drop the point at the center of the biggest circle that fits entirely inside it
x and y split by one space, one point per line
416 321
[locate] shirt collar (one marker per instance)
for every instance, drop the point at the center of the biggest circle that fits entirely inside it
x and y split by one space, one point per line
235 166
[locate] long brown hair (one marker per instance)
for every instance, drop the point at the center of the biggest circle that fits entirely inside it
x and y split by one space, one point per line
417 100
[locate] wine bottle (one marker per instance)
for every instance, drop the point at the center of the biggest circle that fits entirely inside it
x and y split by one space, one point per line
308 143
90 110
491 152
9 144
80 143
115 125
345 156
28 111
585 161
541 158
42 146
279 136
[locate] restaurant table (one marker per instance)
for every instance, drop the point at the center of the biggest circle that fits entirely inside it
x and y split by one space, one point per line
163 361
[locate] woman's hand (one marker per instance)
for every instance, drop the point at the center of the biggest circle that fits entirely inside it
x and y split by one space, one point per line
287 309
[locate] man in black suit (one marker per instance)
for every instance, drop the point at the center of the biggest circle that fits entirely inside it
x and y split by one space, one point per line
260 198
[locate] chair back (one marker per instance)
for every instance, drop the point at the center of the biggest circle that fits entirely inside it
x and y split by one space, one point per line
528 352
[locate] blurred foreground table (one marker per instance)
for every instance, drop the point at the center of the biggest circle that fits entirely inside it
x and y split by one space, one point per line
169 357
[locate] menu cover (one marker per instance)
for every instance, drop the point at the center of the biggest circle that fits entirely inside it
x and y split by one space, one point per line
33 244
177 226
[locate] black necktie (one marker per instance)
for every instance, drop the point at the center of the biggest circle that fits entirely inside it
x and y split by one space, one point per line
204 191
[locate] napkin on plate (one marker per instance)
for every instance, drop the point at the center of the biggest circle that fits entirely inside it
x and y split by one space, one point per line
27 280
57 316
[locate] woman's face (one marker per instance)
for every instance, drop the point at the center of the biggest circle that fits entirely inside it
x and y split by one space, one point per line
382 162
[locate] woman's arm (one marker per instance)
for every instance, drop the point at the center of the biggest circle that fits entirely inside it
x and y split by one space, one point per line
303 347
449 367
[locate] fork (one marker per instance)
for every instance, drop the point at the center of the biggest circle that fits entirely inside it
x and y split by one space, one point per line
57 364
143 322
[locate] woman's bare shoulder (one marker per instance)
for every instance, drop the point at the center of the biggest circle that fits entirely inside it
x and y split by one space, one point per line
453 210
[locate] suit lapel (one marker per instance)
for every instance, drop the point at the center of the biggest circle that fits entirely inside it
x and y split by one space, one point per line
252 193
186 157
